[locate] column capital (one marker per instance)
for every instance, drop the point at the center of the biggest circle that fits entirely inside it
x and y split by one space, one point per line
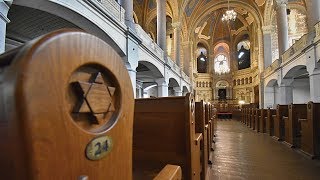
187 43
279 3
266 29
161 82
176 25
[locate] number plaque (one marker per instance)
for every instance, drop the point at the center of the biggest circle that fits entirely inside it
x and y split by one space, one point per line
99 148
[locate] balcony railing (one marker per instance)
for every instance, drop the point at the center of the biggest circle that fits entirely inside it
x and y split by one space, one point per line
148 42
297 47
173 65
112 8
274 66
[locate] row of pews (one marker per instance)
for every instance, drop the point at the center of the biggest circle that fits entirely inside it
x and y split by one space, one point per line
297 125
67 112
175 130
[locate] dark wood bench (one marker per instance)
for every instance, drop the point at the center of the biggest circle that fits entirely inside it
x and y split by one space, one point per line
271 113
248 116
66 113
256 119
292 124
262 120
202 127
310 130
243 114
253 119
282 111
210 129
164 133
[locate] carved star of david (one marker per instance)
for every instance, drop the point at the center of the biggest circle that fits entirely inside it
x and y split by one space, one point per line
94 98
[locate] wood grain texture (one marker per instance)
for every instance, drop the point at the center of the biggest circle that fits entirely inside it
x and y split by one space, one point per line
256 119
46 143
170 172
282 110
202 127
164 133
292 125
262 119
269 121
210 123
310 130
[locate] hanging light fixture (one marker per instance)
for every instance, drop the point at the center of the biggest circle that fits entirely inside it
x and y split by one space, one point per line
229 15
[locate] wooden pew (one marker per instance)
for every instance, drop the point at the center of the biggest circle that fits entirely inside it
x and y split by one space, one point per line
282 111
253 122
202 127
164 133
271 113
256 119
292 125
249 117
211 116
310 130
50 131
210 131
262 120
243 112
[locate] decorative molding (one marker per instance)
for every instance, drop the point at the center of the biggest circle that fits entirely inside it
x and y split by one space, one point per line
267 29
176 25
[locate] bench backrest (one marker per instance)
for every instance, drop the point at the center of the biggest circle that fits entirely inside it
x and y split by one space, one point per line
166 125
68 110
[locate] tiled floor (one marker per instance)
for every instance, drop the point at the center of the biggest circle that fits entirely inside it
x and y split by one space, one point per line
241 153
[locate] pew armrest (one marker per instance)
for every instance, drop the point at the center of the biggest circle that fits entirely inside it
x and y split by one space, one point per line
170 172
198 138
206 126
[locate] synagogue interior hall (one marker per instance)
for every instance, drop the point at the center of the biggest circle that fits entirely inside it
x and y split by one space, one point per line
159 89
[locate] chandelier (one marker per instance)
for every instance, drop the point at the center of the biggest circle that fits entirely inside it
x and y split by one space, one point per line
229 15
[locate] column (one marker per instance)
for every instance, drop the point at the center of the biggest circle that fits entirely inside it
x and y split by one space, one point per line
177 91
133 74
313 13
261 93
176 44
128 16
286 93
188 58
139 93
162 87
314 79
282 23
267 51
4 8
161 25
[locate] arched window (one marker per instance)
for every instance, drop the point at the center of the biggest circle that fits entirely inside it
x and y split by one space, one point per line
243 54
221 65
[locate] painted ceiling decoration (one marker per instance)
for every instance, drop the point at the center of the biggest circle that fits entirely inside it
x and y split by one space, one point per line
190 7
260 2
199 30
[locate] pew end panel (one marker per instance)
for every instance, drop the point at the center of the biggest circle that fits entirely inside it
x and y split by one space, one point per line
202 127
310 130
279 132
52 134
293 125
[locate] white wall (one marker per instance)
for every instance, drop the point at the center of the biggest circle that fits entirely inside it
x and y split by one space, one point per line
153 92
276 96
301 91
